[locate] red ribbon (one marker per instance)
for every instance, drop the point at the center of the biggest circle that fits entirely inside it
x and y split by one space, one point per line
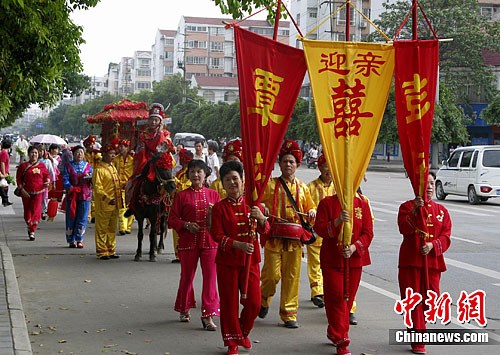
72 195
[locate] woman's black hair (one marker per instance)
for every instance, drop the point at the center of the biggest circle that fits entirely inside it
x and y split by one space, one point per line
199 164
76 147
54 146
6 144
229 166
32 147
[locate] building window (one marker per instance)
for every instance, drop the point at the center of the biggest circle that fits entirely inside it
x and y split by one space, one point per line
341 17
168 42
144 63
196 44
142 72
196 28
229 96
141 85
262 31
196 60
209 95
169 70
216 63
297 18
487 12
217 31
312 12
217 46
168 55
285 33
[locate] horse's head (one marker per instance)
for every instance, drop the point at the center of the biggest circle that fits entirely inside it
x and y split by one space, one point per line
166 179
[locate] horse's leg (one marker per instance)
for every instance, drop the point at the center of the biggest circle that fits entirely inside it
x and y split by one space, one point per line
163 232
152 232
140 236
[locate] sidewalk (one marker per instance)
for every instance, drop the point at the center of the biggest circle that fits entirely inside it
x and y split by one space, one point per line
14 339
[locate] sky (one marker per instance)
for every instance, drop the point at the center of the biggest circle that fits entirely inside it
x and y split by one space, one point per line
117 28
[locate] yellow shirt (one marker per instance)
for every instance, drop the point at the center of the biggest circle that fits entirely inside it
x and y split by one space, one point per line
217 186
93 158
284 208
125 168
319 190
106 187
182 181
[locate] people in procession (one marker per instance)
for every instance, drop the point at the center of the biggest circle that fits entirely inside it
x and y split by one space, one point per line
319 188
177 159
233 150
283 247
43 156
335 258
93 157
213 161
238 249
77 183
421 252
108 201
33 180
124 163
22 146
198 151
190 217
4 171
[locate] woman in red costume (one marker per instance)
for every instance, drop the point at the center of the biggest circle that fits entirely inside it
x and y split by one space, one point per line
414 250
33 179
328 224
231 220
190 217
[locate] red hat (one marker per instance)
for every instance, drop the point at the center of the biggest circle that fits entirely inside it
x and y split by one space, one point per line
89 140
291 147
156 110
113 145
125 142
321 160
233 147
185 156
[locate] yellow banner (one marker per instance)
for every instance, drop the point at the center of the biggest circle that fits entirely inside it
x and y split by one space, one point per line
350 84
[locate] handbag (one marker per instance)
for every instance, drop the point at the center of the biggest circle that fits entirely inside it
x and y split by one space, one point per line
3 182
308 235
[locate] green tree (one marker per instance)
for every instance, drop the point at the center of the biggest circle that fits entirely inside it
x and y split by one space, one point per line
461 62
237 8
491 114
39 54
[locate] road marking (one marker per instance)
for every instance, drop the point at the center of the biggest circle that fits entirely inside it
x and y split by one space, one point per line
466 240
396 297
469 267
468 212
383 210
496 284
380 220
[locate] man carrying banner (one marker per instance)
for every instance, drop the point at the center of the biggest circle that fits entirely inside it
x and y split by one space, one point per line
328 224
283 248
124 163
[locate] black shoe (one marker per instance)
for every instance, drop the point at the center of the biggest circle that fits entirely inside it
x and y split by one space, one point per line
128 232
122 232
104 258
92 220
263 312
114 256
5 204
128 213
31 236
72 245
352 319
291 324
318 301
176 261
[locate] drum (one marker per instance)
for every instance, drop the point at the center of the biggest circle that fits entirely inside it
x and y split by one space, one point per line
287 230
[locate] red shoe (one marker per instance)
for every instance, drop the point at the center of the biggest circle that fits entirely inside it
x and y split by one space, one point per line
342 350
232 350
247 344
79 245
418 348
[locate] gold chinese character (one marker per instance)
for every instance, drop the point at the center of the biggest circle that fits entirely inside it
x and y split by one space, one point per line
415 96
267 87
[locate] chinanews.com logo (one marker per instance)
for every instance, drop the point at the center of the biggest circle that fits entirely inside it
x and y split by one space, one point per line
441 337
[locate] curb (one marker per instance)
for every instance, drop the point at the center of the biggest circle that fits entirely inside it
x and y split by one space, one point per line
20 337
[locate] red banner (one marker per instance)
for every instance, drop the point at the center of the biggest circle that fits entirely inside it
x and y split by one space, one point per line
270 75
416 74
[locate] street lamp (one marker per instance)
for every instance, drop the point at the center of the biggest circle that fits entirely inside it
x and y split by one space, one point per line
181 66
190 99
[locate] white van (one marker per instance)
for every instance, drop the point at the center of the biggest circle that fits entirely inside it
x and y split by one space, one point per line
189 139
470 171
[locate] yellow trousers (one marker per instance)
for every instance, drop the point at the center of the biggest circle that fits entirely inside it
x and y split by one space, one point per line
282 264
314 268
124 223
105 232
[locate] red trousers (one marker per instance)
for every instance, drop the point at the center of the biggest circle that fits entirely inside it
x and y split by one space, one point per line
185 294
32 211
337 308
234 326
414 277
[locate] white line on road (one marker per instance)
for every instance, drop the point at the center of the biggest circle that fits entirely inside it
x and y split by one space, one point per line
469 267
466 240
383 210
395 297
380 220
468 212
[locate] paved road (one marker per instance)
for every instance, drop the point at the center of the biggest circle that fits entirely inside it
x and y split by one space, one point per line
76 304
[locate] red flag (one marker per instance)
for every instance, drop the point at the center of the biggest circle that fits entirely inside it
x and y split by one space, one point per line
270 75
416 73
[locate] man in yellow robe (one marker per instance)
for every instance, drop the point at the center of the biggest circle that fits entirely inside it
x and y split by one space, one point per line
93 157
283 248
108 201
124 164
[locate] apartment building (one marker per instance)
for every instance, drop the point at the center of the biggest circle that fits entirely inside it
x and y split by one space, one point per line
163 54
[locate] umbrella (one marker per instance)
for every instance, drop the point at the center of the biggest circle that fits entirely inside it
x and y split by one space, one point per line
47 139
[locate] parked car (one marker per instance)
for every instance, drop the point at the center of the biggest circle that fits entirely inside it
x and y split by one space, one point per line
470 171
189 139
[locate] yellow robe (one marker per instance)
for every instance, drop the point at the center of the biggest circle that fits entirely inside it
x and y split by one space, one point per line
106 188
283 257
125 168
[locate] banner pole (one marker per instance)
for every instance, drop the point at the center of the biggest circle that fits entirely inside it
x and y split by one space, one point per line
277 21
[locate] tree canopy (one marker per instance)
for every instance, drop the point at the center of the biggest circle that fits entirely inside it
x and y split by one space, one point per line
39 54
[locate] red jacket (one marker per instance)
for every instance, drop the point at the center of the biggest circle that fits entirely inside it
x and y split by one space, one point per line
32 177
229 223
362 232
439 229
